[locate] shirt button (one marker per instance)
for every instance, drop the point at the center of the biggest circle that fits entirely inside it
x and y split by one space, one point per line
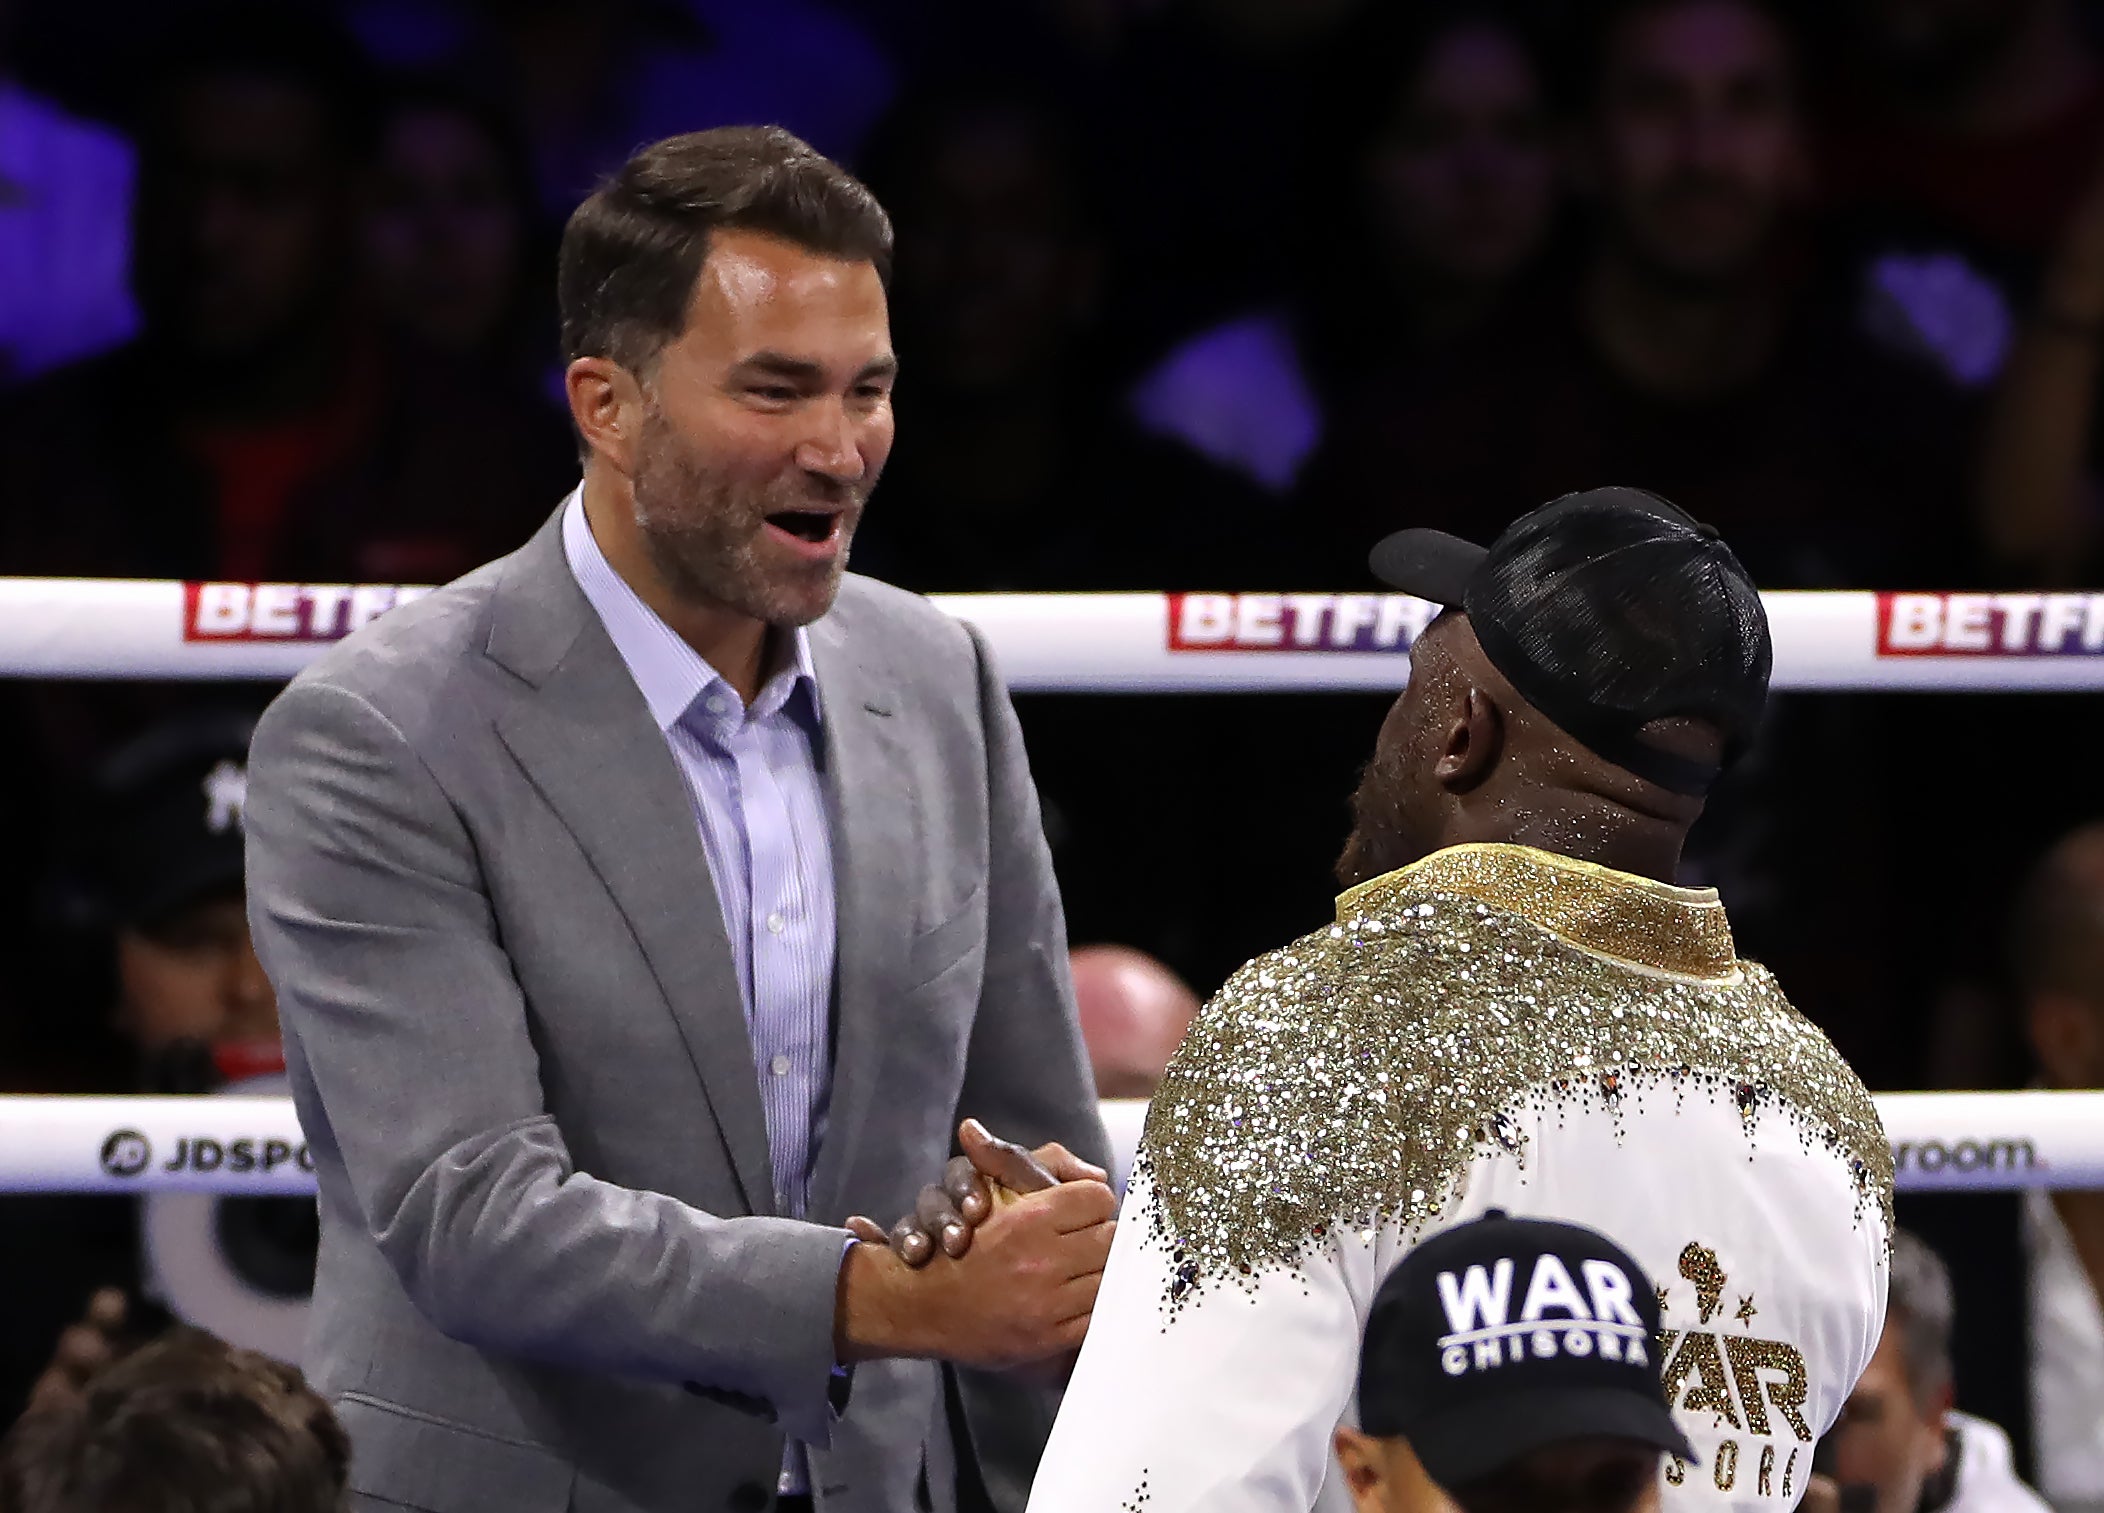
775 923
779 1066
715 703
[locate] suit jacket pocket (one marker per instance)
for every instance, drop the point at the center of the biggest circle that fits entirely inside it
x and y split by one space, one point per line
409 1457
939 947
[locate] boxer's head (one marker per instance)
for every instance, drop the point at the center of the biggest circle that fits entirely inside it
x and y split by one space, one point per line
1595 670
730 366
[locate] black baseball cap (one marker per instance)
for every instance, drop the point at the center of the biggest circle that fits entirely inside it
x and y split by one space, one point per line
1498 1337
166 828
1606 610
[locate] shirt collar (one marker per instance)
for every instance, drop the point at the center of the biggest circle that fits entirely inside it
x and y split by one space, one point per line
672 675
1633 919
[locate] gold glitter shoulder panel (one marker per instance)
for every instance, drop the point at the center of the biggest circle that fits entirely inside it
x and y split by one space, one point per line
1349 1079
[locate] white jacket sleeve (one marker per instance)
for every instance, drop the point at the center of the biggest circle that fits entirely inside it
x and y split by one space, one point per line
1221 1397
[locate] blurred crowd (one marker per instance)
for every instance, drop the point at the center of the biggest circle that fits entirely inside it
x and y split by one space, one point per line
1190 294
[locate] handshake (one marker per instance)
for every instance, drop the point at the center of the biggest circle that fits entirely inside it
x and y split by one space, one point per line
996 1267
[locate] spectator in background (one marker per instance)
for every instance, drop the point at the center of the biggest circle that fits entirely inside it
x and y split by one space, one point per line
258 429
1436 201
2060 966
186 1424
159 890
1693 354
1019 472
65 199
1134 1012
1899 1437
1958 137
450 256
166 864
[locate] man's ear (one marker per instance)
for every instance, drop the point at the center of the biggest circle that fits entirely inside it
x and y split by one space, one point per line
1475 738
608 406
1359 1456
1934 1425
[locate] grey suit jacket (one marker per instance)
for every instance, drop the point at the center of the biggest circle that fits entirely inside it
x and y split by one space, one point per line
550 1274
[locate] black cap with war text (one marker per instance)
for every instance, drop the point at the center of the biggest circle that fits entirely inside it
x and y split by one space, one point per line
1498 1337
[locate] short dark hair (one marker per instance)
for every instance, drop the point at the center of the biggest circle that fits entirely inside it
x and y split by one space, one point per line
189 1424
1600 28
633 250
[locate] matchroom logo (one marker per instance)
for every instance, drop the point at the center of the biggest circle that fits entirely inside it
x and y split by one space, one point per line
286 611
1296 622
1990 625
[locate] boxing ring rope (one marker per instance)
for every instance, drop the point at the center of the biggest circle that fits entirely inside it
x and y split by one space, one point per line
252 1147
1127 643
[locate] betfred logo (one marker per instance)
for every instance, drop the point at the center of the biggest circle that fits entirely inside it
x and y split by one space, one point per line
1296 622
1990 625
286 611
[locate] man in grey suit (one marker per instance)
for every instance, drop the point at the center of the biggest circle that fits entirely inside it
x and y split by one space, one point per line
651 901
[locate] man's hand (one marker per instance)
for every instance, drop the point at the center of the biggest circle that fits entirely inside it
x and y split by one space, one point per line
1023 1296
947 1212
84 1349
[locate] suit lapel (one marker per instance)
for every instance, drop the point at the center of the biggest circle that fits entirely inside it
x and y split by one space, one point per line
587 741
869 803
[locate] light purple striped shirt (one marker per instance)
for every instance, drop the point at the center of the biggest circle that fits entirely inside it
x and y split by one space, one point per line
759 803
753 777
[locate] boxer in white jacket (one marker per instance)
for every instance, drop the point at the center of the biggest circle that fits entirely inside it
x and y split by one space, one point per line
1514 1008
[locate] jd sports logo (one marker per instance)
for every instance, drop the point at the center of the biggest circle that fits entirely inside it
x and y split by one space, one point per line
126 1153
204 1154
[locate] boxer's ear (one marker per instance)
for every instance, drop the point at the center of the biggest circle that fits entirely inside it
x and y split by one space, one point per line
1475 738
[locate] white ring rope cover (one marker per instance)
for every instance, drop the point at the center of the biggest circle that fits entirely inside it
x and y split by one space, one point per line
1969 1142
1117 643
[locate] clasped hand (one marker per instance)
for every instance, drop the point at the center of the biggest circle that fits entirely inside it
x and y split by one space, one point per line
1006 1253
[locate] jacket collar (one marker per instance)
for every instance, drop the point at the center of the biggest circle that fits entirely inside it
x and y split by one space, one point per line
1682 931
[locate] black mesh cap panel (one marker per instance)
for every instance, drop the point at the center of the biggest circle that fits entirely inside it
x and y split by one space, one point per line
1609 609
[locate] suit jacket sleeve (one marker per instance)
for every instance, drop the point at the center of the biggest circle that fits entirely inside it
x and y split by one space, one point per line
413 1060
1026 1075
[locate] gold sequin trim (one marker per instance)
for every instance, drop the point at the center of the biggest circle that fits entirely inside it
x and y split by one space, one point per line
1610 913
1348 1080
